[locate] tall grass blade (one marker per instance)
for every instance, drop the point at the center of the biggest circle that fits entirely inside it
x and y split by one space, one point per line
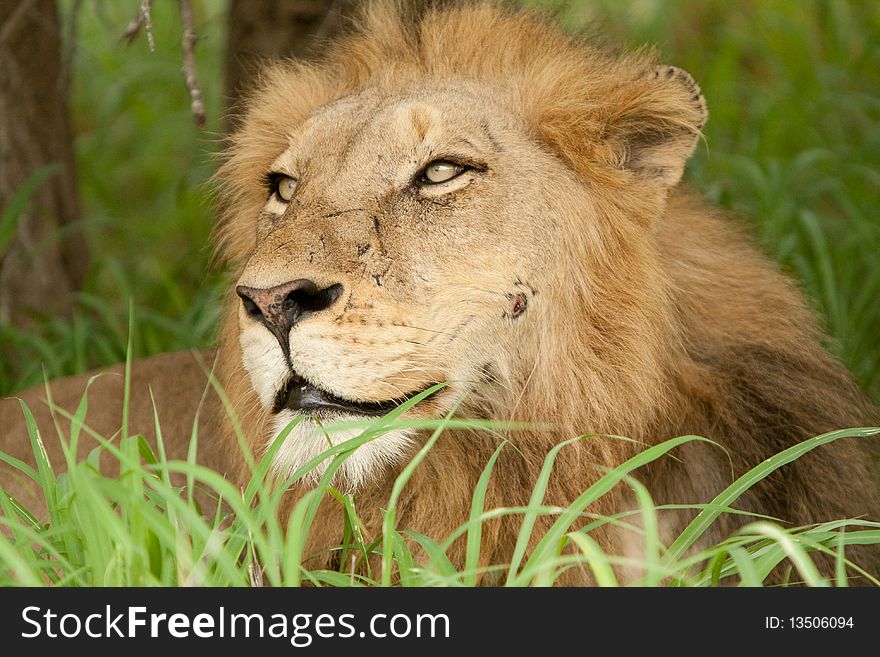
728 496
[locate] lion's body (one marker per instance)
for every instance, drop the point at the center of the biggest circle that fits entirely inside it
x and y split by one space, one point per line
636 309
178 382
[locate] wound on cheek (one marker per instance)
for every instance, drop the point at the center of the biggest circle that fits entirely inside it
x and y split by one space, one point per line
520 303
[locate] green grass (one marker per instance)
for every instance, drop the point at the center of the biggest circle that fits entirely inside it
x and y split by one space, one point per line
145 527
792 146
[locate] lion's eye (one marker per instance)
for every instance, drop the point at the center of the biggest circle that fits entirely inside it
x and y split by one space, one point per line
282 186
440 171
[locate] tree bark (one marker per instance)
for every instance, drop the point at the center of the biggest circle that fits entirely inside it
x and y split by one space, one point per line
267 29
41 265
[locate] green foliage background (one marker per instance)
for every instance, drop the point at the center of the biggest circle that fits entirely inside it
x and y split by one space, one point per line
792 147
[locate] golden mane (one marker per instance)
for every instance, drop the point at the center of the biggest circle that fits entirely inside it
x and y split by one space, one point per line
668 322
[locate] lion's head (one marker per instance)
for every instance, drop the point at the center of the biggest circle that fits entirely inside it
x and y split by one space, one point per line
464 196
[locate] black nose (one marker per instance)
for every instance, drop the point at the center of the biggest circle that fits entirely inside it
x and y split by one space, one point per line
282 306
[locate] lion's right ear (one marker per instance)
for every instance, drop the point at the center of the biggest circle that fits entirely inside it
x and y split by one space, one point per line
654 124
631 121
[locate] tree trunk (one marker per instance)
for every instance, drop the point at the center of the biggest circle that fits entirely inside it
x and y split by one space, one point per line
41 265
266 29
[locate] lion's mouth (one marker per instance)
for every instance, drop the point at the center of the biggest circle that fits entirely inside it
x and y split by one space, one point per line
301 396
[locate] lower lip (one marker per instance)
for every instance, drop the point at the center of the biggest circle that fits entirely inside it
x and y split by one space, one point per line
305 398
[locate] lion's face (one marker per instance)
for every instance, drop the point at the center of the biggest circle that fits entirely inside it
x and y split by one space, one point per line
405 240
465 197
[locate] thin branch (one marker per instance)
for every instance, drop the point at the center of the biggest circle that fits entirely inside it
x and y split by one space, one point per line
144 19
189 64
331 20
70 43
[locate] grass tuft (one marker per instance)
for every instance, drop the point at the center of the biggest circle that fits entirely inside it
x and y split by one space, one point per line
173 523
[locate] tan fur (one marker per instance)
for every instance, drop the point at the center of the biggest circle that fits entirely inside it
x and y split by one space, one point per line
648 315
178 382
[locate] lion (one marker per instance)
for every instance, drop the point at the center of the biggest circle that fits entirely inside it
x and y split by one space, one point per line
467 195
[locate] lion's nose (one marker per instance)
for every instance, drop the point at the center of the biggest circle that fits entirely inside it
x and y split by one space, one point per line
282 306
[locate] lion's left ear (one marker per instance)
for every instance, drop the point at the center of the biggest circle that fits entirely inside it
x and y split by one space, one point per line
655 124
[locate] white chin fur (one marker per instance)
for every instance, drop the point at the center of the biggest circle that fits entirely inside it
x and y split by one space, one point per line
267 368
307 440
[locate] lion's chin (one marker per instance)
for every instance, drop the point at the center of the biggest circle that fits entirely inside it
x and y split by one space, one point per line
315 433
